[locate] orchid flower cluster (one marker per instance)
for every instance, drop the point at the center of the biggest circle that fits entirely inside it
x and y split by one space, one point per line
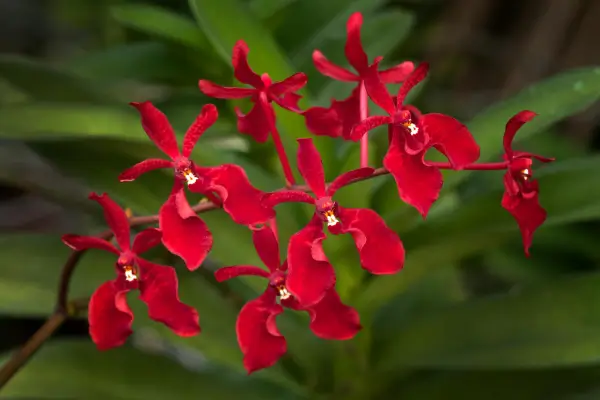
305 280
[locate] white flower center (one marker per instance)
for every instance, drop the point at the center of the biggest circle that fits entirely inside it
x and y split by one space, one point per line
189 176
130 274
331 218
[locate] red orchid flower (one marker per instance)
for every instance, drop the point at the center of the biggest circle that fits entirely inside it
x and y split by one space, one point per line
110 317
411 135
341 116
380 248
520 190
184 233
258 336
261 118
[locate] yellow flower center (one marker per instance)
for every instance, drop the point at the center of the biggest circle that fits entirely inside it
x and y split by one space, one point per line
526 174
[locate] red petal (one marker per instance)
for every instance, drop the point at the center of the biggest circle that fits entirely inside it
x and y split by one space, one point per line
418 184
241 69
354 49
348 177
331 319
78 243
331 70
208 116
157 127
310 166
289 101
116 219
413 80
398 73
286 196
188 238
158 289
366 125
310 275
140 168
290 84
222 92
226 273
348 111
257 123
452 138
527 212
146 239
323 121
260 341
267 247
241 200
381 250
377 91
513 125
109 316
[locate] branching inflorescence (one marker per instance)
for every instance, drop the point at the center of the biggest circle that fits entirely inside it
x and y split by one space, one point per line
305 280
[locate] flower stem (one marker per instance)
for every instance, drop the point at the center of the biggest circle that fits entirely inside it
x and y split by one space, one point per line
283 159
364 113
471 167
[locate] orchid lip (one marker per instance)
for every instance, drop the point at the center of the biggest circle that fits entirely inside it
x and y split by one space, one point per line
412 128
130 273
284 294
189 176
331 218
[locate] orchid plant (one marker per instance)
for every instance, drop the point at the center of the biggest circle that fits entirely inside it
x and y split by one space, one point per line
305 280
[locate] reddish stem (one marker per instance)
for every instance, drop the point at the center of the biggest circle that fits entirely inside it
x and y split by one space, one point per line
283 159
364 113
471 167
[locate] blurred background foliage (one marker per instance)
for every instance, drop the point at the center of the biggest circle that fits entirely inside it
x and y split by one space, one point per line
470 317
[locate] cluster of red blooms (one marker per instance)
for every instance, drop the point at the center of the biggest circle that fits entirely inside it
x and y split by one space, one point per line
305 281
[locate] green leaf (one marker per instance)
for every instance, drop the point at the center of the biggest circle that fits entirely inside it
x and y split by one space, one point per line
39 176
55 121
77 370
266 8
550 325
161 22
160 63
526 384
44 82
552 99
32 265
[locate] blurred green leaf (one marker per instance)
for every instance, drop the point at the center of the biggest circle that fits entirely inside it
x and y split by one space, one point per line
550 325
160 62
526 384
266 8
552 99
77 370
22 168
161 22
31 270
44 82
